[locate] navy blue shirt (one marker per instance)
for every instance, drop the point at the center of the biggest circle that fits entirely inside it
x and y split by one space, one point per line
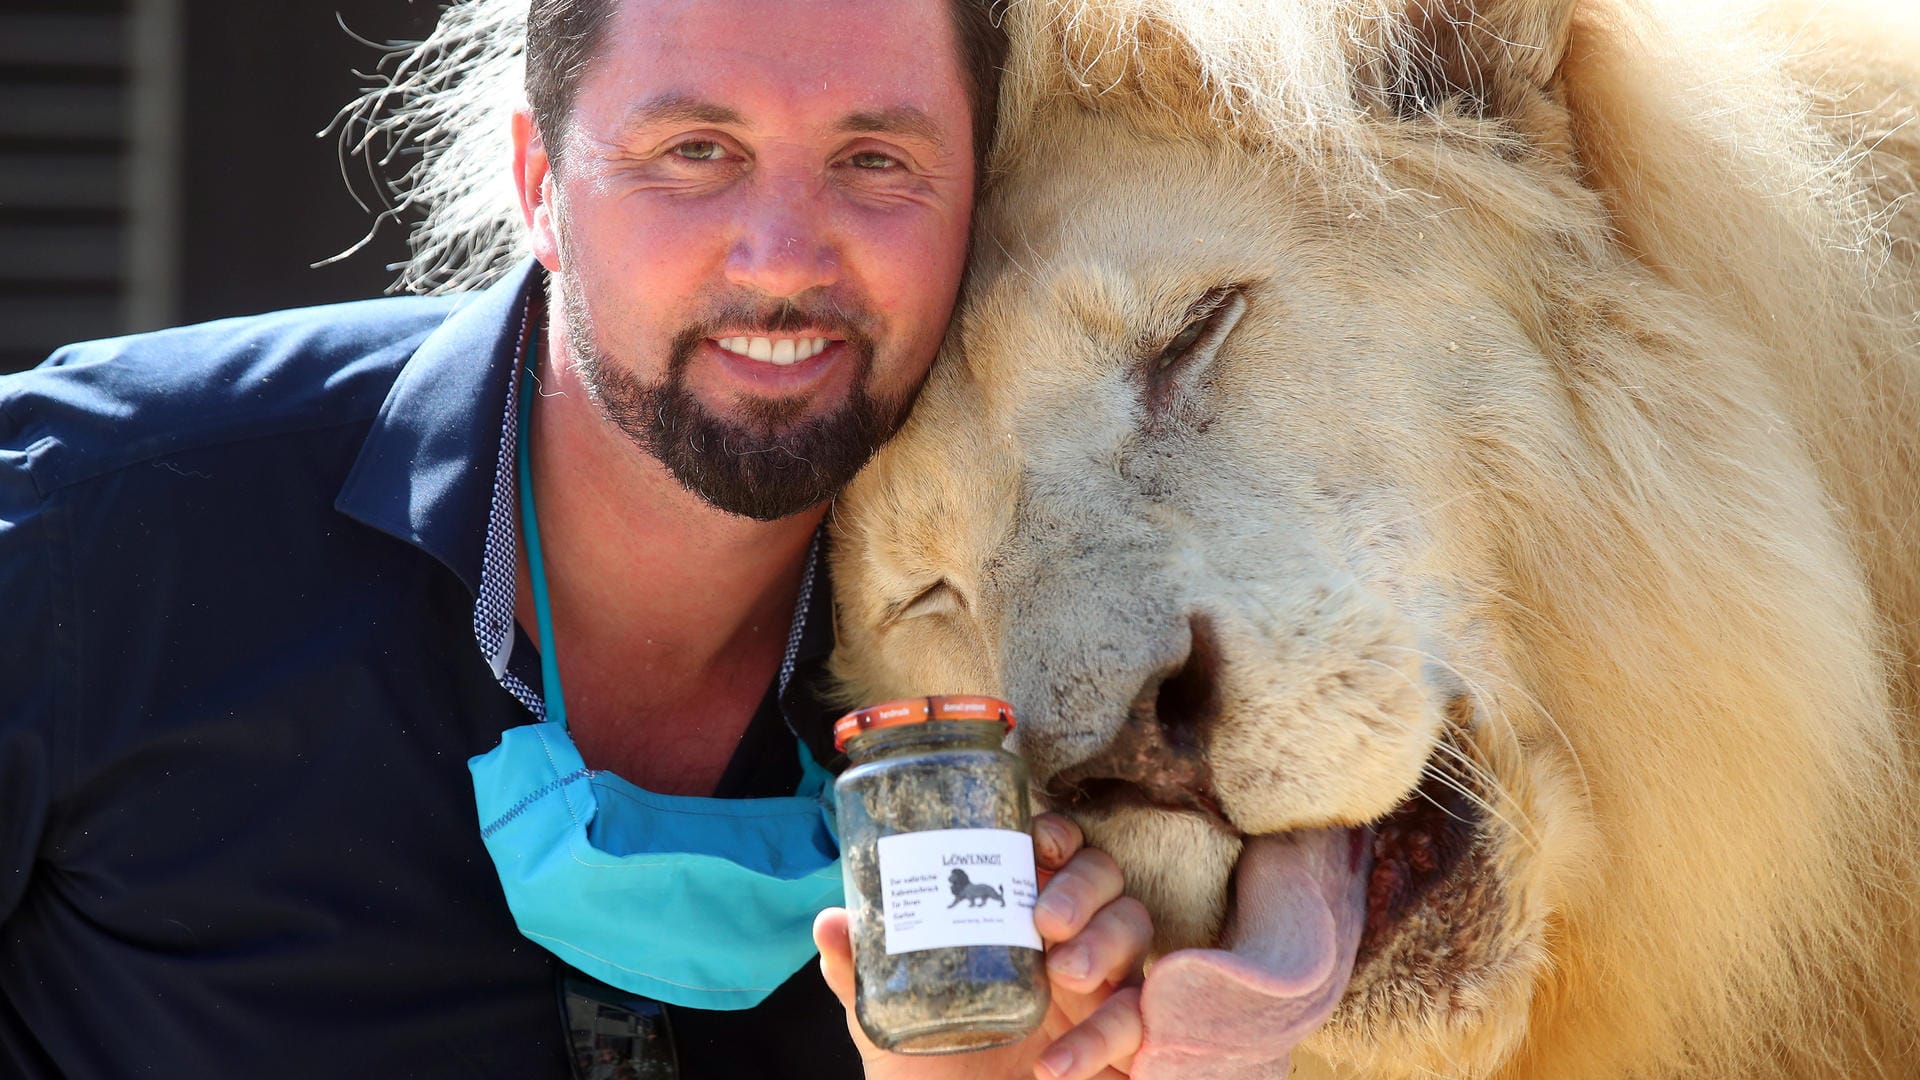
239 685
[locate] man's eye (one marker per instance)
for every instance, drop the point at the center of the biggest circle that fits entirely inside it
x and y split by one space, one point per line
872 160
702 150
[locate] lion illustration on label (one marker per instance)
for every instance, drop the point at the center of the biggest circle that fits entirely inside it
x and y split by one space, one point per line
974 893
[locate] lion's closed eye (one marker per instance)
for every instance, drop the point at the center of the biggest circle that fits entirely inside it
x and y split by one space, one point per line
1209 321
1173 371
940 598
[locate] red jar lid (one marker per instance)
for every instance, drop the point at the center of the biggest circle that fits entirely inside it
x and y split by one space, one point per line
919 710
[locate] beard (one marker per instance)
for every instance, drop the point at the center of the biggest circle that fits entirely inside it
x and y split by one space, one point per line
771 460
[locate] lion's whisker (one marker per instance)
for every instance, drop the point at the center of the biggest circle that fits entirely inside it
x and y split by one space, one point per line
1474 770
1524 831
1488 705
1539 709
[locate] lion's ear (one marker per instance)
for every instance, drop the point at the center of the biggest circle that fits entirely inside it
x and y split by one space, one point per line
1488 59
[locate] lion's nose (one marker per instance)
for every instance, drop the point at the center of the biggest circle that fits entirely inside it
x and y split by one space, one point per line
1159 754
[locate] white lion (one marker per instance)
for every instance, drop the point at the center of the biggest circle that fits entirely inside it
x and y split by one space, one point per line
1440 482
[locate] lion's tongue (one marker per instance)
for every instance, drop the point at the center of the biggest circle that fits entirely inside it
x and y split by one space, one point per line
1299 904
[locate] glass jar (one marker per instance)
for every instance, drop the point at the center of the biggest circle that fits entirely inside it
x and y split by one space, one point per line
937 854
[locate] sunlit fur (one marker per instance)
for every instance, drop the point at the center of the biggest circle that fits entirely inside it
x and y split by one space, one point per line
1579 380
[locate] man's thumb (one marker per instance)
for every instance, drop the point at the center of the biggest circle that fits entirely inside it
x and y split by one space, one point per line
836 966
836 953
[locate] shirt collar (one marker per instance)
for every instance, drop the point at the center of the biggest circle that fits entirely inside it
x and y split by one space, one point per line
805 686
425 473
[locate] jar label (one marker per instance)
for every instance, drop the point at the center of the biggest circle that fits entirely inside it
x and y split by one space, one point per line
950 887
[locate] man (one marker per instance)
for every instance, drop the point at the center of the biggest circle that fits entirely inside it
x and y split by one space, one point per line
273 582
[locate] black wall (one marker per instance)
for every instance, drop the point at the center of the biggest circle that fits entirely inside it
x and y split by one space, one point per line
262 197
258 195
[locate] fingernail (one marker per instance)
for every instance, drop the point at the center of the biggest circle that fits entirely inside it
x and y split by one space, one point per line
1058 907
1071 961
1058 1061
1053 842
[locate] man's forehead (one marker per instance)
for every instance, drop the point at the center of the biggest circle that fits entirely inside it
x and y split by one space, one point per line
846 35
893 64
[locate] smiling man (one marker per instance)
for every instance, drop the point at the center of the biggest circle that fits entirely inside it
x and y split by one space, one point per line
712 205
425 687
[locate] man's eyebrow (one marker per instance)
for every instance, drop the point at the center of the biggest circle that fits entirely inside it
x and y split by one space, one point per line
897 120
677 109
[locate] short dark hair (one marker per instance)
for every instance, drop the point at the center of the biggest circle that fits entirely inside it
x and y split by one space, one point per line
563 35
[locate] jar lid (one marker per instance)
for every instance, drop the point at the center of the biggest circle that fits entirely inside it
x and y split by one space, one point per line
918 710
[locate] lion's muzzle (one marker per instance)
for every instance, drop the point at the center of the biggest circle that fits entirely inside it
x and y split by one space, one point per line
1159 755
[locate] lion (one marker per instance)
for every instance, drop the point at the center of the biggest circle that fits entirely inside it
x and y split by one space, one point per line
974 893
1440 482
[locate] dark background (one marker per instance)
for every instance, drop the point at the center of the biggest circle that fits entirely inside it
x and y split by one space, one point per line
264 198
252 197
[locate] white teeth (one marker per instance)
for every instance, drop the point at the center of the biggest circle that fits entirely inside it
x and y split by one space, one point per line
783 352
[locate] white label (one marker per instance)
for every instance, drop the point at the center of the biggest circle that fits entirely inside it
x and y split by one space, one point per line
953 887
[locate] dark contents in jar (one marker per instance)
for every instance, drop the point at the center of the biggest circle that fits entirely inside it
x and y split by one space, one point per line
938 1000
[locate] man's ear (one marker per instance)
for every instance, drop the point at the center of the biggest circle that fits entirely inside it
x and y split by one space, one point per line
533 178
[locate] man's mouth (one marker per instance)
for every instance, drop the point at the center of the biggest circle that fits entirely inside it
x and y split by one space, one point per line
781 351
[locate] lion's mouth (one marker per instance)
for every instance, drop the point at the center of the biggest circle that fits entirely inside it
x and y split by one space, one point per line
1305 910
1414 848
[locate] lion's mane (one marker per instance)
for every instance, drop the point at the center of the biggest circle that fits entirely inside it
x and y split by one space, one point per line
1716 548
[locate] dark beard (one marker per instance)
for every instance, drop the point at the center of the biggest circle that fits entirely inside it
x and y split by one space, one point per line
766 465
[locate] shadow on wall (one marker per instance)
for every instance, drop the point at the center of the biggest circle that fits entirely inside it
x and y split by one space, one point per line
159 162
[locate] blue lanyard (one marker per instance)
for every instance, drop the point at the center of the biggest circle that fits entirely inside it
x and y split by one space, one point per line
530 524
691 900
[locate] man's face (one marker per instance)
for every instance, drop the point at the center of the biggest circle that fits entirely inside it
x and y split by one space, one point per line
756 228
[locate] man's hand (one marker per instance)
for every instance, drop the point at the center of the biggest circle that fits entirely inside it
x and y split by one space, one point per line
1096 939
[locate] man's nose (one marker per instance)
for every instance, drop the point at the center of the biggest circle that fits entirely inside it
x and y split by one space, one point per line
785 246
